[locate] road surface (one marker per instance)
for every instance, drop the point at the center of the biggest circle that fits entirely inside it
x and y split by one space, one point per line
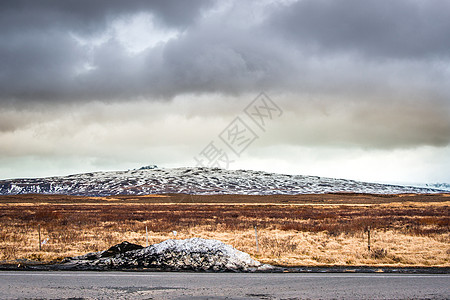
139 285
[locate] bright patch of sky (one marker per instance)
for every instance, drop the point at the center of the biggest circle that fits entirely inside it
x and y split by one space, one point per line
140 32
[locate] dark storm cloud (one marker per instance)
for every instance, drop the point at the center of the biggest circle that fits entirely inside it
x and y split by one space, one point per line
40 60
380 29
91 16
38 66
310 45
221 58
399 29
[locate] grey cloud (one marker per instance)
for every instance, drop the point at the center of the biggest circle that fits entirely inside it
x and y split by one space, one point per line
40 60
226 55
357 124
92 16
201 63
38 67
375 29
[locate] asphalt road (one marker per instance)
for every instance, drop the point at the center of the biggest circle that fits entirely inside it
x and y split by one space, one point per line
138 285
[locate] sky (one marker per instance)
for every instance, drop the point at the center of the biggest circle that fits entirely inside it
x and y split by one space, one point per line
348 89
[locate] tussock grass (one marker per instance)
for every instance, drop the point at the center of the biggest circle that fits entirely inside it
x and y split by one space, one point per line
408 234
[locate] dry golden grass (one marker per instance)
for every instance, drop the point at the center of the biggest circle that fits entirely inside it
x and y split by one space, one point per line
403 234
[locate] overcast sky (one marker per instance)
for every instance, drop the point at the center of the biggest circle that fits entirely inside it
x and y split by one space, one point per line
361 87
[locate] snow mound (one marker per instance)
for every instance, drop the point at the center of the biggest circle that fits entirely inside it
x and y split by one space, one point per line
190 254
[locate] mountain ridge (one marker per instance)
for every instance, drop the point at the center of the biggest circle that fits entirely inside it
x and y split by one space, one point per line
199 180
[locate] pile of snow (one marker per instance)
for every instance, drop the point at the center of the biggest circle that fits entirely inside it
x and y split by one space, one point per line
190 254
199 181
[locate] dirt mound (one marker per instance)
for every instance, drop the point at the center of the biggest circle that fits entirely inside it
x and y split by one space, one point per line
190 254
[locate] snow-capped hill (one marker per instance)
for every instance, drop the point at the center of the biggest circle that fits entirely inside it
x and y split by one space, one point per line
195 181
440 186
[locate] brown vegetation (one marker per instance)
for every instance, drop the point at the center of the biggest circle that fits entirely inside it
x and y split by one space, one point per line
331 198
310 230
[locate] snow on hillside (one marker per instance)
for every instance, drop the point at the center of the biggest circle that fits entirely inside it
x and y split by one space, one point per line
194 181
440 186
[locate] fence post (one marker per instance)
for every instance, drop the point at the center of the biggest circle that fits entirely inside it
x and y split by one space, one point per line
256 238
39 232
368 238
146 235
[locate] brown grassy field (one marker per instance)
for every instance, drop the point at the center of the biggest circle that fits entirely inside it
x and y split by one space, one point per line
331 229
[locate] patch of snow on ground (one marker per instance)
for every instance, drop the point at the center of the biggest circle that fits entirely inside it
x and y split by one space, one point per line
190 254
235 259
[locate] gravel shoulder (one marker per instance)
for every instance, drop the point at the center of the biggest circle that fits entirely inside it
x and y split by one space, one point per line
38 266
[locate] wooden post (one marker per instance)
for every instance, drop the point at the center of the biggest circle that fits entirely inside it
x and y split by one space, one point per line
39 232
256 237
146 234
368 238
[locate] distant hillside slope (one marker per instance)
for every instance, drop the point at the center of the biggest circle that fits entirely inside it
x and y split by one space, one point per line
195 181
440 186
